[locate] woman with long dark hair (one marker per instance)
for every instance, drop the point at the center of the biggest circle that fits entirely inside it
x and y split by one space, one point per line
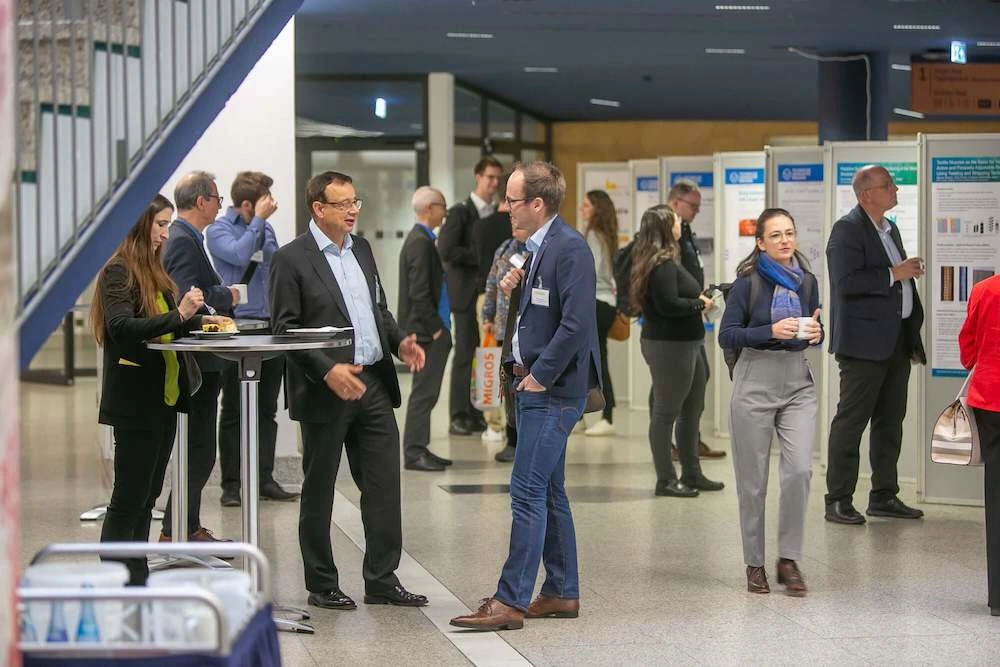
142 389
772 316
673 335
601 231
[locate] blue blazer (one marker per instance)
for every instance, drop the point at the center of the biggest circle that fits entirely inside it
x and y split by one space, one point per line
558 343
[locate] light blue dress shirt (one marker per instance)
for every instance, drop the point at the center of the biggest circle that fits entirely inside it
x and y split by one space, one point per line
354 286
533 244
884 229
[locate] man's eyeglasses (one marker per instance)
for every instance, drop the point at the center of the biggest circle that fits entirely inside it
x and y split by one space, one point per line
219 197
344 205
884 186
511 202
694 207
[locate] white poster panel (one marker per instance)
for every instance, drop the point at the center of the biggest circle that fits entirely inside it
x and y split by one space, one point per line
740 199
965 232
795 183
698 170
615 178
841 161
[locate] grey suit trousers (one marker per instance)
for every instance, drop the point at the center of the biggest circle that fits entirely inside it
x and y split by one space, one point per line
773 393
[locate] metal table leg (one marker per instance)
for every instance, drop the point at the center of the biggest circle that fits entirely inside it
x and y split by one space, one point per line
178 522
249 370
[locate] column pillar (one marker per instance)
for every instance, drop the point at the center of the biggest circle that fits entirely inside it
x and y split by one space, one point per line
842 99
441 132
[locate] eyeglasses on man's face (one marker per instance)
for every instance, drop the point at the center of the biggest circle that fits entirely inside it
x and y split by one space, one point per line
511 202
696 207
345 205
217 197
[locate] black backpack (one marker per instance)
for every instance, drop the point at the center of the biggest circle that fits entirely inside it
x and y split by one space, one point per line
732 355
623 278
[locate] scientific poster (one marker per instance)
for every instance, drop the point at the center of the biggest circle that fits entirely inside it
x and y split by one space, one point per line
965 219
616 182
647 195
743 199
802 193
704 223
904 215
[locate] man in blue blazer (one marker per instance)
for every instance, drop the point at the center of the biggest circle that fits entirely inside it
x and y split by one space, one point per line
875 334
554 361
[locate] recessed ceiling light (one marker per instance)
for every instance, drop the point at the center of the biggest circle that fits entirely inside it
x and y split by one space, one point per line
908 113
605 103
915 26
380 107
541 70
471 35
724 51
987 43
900 67
743 8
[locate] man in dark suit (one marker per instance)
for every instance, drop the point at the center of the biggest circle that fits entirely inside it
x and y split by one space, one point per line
875 334
553 357
424 311
343 398
461 262
186 260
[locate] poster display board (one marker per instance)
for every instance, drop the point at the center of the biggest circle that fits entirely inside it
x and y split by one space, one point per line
741 196
841 161
645 193
615 178
960 216
700 171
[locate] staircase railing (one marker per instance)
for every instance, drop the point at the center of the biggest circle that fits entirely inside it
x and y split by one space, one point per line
112 94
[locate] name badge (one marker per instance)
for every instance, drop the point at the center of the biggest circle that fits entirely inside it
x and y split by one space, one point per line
257 257
539 297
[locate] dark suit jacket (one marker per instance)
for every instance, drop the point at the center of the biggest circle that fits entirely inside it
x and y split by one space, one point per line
458 251
420 279
188 266
487 235
866 312
305 293
134 375
558 343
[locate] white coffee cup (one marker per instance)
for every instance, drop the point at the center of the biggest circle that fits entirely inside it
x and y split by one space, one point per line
802 333
242 289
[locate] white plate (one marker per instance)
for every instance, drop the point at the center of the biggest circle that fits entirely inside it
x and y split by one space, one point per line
214 335
318 333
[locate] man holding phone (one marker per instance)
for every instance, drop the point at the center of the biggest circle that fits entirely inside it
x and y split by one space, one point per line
241 243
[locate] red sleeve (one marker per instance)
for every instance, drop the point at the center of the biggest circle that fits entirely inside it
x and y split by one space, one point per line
967 343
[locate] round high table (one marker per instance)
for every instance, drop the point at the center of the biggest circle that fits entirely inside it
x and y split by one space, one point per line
248 351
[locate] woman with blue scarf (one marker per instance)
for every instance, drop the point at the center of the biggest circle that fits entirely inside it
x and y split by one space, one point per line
773 392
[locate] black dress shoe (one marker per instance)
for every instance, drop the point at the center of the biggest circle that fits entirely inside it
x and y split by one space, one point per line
893 508
703 483
332 600
440 459
994 611
272 491
477 423
842 511
230 498
459 427
675 489
424 463
398 596
505 455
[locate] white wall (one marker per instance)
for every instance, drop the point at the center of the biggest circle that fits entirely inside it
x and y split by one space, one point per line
256 131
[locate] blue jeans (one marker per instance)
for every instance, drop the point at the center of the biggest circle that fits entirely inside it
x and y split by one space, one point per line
542 527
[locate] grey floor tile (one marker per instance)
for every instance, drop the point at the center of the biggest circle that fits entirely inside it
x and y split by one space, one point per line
771 652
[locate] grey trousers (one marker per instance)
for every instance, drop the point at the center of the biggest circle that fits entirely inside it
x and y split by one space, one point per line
773 393
424 396
676 397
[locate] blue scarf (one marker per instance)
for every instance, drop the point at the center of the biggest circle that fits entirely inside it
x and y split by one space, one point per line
786 281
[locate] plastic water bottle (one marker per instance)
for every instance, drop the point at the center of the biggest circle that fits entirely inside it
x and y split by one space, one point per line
87 631
57 625
28 631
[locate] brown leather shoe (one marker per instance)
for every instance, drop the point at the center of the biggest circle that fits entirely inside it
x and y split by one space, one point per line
789 575
553 607
706 452
491 616
757 580
201 535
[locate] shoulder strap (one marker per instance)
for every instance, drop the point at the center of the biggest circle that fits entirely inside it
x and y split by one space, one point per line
808 282
756 285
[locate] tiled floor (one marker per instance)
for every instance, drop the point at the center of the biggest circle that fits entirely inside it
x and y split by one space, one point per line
662 578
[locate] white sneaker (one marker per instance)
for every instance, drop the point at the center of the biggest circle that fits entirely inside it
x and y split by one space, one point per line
489 435
600 428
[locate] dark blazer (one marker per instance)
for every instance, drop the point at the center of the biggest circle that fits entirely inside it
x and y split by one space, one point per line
421 276
558 343
746 324
305 293
865 312
188 266
134 375
487 235
458 252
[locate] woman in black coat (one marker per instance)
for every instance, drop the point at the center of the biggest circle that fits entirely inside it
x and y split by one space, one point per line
143 389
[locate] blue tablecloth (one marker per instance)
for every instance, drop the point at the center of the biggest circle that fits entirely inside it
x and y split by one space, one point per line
256 646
